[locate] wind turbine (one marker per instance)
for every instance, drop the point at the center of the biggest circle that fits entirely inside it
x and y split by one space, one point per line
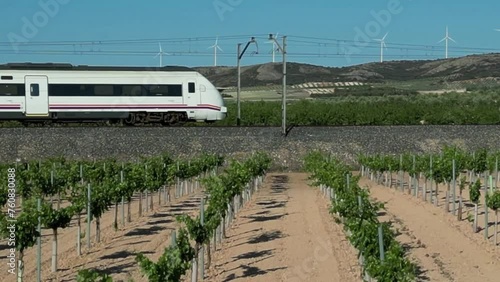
216 46
446 38
161 53
275 47
382 46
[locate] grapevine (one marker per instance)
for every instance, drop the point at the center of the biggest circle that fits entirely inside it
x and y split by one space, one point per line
352 205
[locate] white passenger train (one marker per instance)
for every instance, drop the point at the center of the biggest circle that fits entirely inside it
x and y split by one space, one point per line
63 92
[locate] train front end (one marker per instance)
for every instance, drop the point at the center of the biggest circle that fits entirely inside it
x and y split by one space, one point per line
213 101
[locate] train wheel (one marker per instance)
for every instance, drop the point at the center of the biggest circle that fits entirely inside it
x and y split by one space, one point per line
130 120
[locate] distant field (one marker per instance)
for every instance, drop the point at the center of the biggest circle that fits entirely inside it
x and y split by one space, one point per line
420 86
436 84
268 95
437 109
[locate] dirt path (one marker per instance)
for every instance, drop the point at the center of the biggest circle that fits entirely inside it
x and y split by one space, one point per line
438 244
285 234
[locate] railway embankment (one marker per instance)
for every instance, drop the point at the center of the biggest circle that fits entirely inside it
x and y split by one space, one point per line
287 152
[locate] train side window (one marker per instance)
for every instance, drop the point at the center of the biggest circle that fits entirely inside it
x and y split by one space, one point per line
132 90
175 90
158 90
191 87
68 90
35 90
11 90
103 90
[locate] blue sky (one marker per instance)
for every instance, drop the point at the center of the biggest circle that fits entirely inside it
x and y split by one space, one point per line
415 22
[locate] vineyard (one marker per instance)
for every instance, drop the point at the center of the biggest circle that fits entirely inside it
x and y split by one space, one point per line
463 109
451 197
408 217
381 256
53 192
463 177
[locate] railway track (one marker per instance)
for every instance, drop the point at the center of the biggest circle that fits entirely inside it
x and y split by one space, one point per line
208 125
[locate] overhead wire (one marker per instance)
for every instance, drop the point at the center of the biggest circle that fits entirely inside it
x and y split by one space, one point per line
298 46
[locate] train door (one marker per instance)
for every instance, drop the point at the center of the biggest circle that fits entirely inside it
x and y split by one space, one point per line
192 97
37 95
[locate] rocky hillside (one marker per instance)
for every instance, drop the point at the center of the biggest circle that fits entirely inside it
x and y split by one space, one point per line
469 68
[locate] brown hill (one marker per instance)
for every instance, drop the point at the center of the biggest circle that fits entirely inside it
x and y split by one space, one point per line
469 68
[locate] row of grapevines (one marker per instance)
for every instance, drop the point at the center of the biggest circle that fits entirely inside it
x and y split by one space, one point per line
436 166
446 168
222 191
107 182
358 213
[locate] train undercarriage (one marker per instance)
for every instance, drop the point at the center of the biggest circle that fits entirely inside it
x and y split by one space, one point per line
168 118
128 119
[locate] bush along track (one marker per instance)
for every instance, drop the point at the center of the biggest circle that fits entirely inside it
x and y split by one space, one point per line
225 195
91 186
453 167
382 257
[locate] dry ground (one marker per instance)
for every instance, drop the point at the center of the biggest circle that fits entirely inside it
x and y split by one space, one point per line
285 234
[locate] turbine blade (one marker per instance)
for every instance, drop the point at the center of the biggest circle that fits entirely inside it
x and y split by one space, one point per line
220 48
385 36
442 40
452 39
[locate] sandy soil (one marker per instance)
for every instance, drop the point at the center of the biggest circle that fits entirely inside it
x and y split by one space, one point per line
285 234
445 249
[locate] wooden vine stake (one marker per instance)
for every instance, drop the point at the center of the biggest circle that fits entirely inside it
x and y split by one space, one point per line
89 214
202 252
381 242
401 173
486 221
431 178
416 180
39 243
454 187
